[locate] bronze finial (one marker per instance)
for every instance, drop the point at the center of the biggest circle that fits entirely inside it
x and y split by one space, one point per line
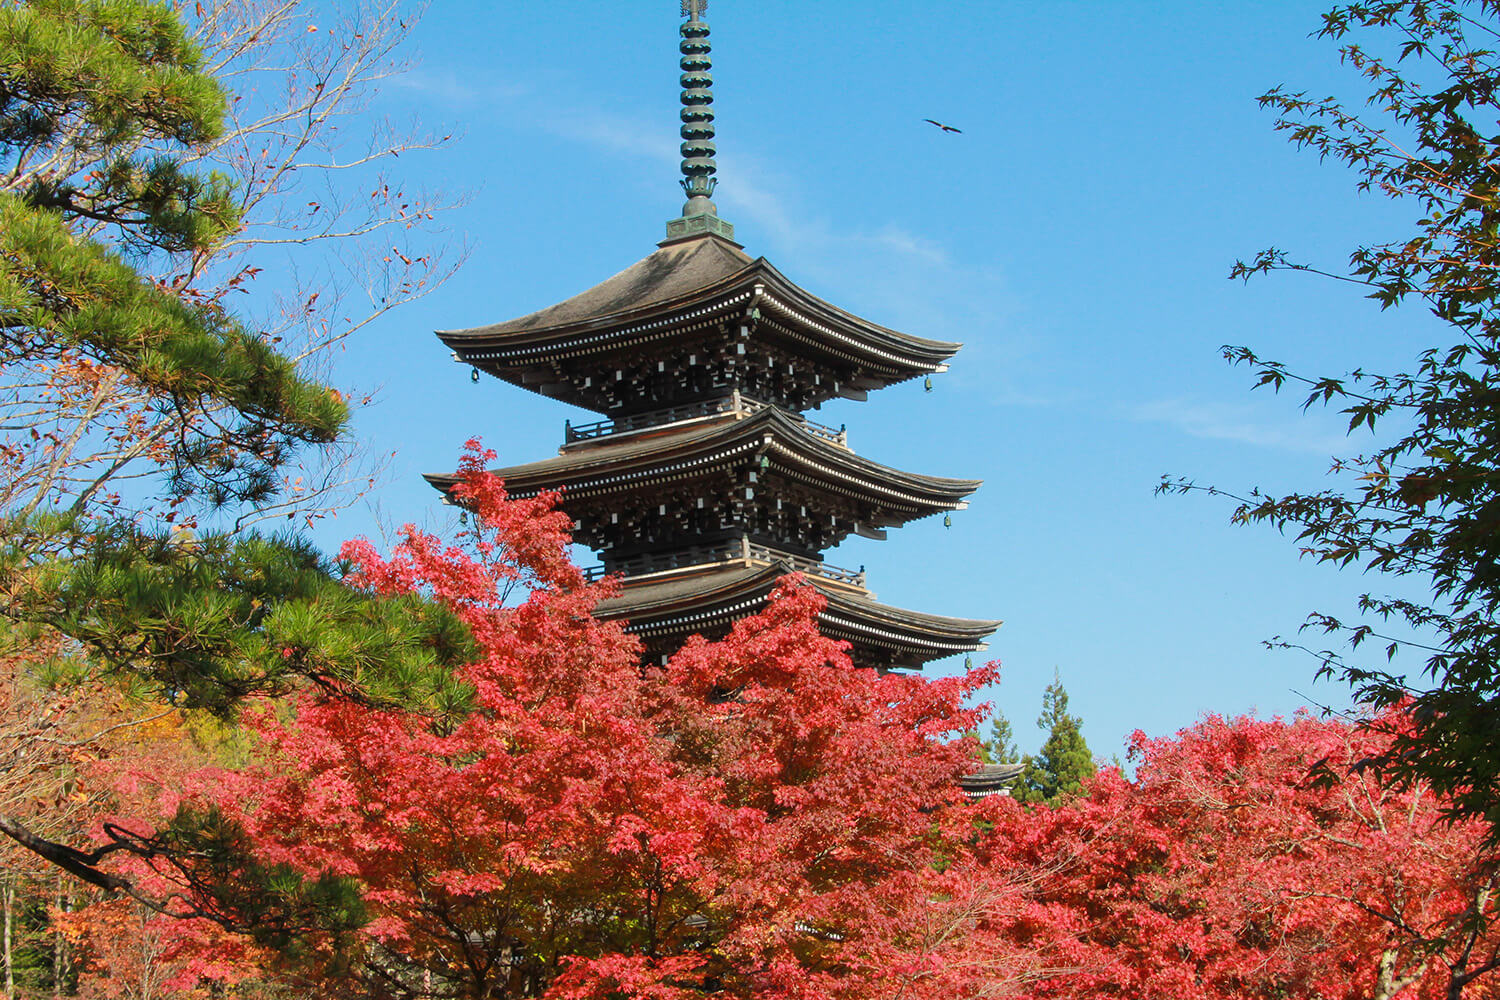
698 167
699 215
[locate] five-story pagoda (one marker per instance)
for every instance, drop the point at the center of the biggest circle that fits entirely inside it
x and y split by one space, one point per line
704 483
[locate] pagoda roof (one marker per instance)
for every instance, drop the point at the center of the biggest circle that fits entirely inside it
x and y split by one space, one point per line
689 285
793 450
673 605
990 779
672 272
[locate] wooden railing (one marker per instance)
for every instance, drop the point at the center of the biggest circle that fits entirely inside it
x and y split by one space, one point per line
709 555
812 567
839 437
733 403
671 415
660 562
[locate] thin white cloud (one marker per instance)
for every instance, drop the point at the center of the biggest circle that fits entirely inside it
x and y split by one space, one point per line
447 87
758 195
615 134
912 245
899 278
754 195
1243 423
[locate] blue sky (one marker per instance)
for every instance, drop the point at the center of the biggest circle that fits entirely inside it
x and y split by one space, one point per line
1076 237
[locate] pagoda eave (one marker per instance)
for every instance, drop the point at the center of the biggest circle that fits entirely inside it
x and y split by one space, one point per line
653 310
812 314
762 446
663 612
990 779
702 483
532 335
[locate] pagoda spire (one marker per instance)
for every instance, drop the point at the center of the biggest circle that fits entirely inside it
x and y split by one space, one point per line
705 484
699 214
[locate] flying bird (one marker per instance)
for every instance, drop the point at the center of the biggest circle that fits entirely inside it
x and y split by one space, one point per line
945 128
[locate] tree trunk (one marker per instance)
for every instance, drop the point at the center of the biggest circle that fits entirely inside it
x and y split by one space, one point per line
1387 983
8 902
59 944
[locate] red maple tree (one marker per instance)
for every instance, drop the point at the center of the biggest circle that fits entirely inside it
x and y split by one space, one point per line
1250 858
755 818
137 770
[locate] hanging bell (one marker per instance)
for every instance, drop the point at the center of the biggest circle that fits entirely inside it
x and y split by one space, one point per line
927 384
463 517
947 520
473 374
765 462
968 663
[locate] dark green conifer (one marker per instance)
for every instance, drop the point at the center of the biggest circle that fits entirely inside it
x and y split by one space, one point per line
102 104
1001 746
98 103
1064 763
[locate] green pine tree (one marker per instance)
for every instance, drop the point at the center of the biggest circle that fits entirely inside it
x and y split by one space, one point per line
103 103
1064 763
981 748
104 106
1001 745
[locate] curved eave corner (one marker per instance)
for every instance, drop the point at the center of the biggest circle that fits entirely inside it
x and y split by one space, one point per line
499 347
703 602
443 482
929 355
770 429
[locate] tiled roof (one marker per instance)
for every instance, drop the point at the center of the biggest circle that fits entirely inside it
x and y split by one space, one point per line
673 271
606 467
681 276
990 779
689 602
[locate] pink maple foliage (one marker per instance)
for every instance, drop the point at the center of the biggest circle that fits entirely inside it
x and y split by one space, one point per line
756 818
1249 858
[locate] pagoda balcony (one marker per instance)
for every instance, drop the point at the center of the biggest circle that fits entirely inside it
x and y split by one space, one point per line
734 405
740 550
